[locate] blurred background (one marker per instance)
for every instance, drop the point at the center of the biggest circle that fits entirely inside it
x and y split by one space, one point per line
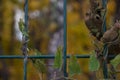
46 33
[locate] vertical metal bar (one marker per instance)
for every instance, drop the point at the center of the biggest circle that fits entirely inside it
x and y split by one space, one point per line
105 51
26 38
105 54
25 68
104 4
26 15
65 39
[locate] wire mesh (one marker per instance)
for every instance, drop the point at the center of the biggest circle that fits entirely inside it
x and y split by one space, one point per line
65 56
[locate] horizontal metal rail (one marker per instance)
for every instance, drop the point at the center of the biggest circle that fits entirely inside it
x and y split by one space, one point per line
44 56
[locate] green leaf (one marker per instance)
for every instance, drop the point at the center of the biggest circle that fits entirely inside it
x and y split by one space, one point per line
115 61
21 25
58 59
25 33
94 63
39 64
74 67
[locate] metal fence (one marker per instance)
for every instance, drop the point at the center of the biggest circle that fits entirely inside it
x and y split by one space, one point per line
65 56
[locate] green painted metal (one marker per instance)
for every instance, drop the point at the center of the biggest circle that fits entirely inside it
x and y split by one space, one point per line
43 56
105 50
65 40
25 53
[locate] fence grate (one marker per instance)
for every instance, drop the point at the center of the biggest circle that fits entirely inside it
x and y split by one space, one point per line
65 56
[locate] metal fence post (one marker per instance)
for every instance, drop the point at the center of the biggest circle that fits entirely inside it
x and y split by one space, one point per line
65 39
25 39
105 51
